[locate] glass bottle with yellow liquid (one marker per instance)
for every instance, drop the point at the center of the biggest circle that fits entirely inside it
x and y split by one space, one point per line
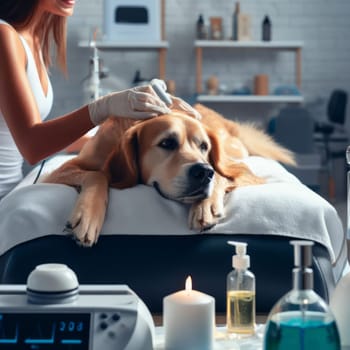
240 307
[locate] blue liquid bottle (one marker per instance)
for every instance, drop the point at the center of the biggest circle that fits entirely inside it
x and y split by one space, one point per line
301 320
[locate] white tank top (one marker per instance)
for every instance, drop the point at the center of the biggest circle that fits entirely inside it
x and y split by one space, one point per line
11 160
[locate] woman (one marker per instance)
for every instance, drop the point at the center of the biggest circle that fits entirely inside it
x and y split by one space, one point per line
29 29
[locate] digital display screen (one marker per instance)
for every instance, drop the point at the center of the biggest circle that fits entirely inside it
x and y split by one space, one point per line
44 331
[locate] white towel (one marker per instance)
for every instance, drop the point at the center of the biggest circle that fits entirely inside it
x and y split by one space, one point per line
283 206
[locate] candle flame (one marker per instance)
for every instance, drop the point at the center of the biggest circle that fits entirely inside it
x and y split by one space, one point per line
188 285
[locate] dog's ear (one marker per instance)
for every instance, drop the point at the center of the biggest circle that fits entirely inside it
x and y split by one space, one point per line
226 165
123 163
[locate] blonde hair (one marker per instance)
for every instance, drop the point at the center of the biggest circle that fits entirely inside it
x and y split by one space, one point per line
53 29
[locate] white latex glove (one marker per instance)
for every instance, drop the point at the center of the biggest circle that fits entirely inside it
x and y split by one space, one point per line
174 102
181 105
139 102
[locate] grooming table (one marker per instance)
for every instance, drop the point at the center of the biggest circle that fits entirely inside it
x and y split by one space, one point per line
146 243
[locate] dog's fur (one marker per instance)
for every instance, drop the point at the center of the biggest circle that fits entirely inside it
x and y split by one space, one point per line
184 159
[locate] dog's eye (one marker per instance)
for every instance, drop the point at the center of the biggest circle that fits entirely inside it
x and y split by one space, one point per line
169 144
203 146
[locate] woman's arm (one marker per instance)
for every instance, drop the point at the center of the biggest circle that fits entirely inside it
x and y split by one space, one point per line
35 139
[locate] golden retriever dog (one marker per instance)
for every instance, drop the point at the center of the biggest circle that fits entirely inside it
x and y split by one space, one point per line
186 160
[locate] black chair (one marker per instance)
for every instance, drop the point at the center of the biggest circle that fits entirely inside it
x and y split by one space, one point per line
294 129
336 109
333 131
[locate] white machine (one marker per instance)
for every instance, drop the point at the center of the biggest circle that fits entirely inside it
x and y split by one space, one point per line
132 20
53 312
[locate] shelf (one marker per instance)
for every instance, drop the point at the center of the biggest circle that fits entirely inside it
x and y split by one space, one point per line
294 46
126 45
280 45
250 98
161 46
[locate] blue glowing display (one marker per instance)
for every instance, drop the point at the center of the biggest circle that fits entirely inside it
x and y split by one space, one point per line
44 331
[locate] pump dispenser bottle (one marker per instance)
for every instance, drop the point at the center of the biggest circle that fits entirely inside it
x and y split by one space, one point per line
235 19
240 308
301 319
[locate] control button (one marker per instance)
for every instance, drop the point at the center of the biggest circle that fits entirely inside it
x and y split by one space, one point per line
115 317
112 335
103 325
103 316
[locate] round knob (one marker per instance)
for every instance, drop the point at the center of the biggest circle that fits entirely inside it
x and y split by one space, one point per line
52 283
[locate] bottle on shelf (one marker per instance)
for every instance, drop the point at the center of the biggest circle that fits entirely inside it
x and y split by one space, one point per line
240 311
201 29
266 29
235 21
301 319
216 32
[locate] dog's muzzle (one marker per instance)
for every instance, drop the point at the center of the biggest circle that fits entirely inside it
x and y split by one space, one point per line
198 185
200 174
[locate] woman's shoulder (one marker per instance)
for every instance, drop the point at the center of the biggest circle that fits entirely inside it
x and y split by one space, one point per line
8 33
7 28
10 42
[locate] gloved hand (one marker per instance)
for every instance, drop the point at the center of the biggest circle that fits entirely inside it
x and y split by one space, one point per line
180 104
139 102
160 87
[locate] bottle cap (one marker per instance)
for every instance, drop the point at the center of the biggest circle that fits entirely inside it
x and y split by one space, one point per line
302 253
241 260
302 272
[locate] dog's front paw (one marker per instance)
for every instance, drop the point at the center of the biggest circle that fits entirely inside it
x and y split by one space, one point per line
206 214
86 222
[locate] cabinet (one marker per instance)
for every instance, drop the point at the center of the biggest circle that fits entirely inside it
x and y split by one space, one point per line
293 46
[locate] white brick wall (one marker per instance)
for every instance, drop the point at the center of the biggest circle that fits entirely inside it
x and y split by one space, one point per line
322 25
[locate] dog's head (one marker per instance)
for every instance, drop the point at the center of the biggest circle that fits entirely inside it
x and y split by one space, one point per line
174 153
170 153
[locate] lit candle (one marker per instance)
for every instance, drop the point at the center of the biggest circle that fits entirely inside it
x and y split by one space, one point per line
189 320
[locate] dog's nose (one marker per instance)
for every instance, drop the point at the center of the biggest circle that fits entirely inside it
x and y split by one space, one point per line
201 173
